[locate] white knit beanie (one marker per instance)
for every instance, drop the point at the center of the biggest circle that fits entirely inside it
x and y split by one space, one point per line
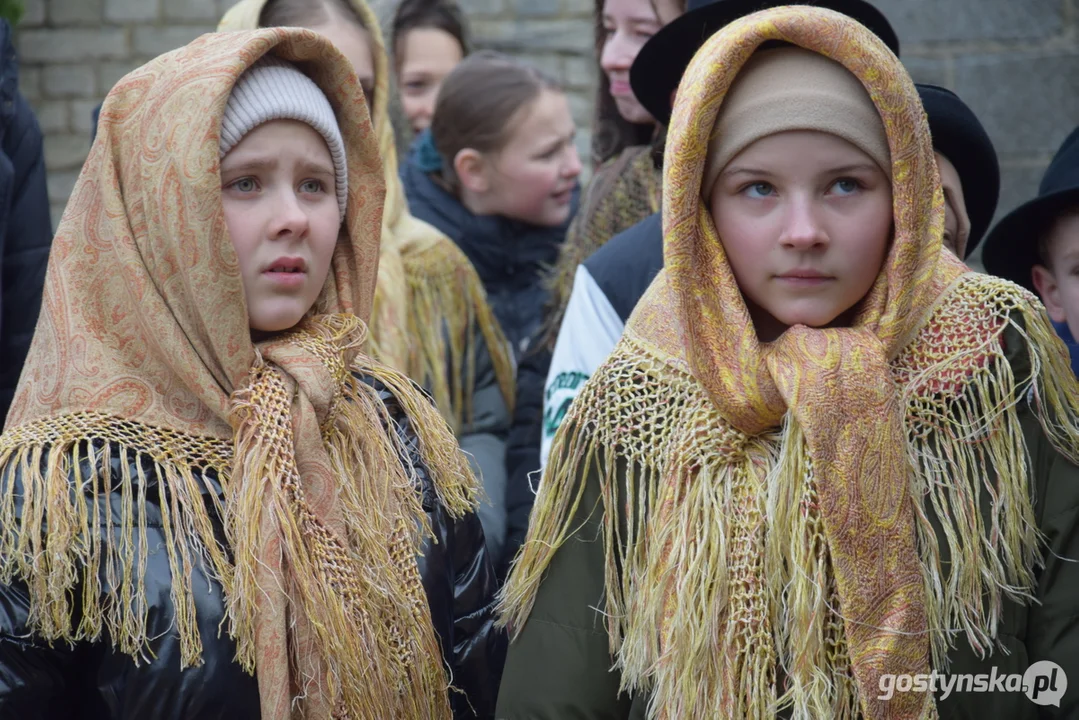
273 89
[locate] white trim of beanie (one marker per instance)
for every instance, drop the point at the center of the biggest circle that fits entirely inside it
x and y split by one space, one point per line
273 89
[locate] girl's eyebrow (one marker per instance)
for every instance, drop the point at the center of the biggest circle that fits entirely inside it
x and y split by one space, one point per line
745 171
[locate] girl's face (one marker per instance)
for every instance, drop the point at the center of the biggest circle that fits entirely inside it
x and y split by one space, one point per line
425 57
629 24
533 176
354 43
805 219
279 193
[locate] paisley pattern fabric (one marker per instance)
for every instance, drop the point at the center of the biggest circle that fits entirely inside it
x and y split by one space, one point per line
429 301
143 348
765 502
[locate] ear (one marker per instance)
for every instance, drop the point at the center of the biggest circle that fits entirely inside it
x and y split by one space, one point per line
1046 285
471 170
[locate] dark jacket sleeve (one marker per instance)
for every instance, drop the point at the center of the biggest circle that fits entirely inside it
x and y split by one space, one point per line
34 677
558 667
483 438
459 580
523 449
1052 630
25 228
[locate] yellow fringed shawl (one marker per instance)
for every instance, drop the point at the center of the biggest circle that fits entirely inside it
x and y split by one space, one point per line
143 350
431 314
773 514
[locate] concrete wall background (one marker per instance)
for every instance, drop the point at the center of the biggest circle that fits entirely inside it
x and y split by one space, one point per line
1016 62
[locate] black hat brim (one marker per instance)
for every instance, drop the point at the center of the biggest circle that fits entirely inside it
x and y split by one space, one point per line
659 65
960 137
1011 249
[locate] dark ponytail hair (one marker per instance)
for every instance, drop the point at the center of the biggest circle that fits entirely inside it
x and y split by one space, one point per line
306 13
478 103
444 15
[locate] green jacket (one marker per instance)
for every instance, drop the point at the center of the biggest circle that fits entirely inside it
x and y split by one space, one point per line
559 668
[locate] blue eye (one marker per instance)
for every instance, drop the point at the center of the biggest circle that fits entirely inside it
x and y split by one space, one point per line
759 190
311 186
845 186
244 185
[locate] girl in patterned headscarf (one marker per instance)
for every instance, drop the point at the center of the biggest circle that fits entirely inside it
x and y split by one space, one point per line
431 318
826 460
211 500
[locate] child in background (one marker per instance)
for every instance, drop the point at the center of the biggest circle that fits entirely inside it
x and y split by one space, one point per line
1037 244
431 319
497 172
825 455
211 499
428 39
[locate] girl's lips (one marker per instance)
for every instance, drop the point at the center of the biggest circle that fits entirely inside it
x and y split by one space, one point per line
285 280
804 280
621 87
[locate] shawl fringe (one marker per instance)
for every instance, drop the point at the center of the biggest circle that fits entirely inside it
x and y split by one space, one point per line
54 533
718 574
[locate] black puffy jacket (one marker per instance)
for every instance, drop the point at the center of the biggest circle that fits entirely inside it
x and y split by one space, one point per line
25 225
511 257
94 681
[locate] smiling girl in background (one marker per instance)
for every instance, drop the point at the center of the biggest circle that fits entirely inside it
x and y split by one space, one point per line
497 172
429 38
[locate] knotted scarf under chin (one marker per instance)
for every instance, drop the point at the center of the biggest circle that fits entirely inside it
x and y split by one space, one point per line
836 384
327 604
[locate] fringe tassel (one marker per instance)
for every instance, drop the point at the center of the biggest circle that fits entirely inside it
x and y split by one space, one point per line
449 322
361 596
60 534
971 462
807 630
718 574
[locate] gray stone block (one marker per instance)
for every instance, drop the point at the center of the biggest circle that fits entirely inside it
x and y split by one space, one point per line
581 107
33 13
110 73
933 71
935 21
537 8
68 81
583 8
152 41
52 116
65 151
1028 102
56 211
60 185
193 10
483 8
124 11
43 45
548 64
517 36
1018 183
30 82
75 12
82 116
581 71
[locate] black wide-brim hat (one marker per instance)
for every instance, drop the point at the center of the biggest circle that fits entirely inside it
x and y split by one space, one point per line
1011 249
960 137
659 65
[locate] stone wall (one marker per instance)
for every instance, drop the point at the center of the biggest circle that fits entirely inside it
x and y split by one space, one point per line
1016 62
